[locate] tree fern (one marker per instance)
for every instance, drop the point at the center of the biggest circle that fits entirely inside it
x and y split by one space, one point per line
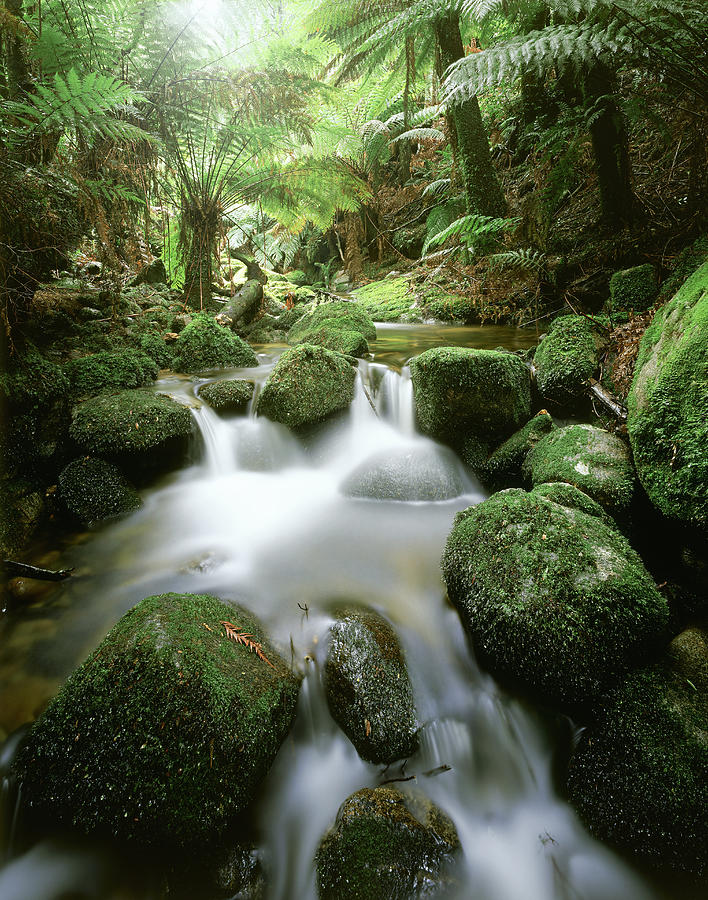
534 260
470 229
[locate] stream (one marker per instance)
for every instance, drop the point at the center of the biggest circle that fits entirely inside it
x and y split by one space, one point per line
260 518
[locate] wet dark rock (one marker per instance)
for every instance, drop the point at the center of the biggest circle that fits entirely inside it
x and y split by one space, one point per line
92 490
153 273
387 844
638 775
164 733
220 873
229 396
407 473
368 690
22 508
555 599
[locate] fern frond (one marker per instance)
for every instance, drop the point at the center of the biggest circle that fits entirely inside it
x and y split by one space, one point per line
534 260
420 134
436 188
470 228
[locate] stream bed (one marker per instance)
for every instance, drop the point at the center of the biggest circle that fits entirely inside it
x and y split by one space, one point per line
260 518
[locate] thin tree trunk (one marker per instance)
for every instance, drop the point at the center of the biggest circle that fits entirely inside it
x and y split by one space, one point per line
198 267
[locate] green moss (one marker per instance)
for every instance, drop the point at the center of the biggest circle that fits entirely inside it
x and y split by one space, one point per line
565 359
368 690
340 340
335 315
21 510
389 300
227 396
556 601
297 277
306 385
129 422
459 392
590 458
89 375
32 382
154 346
385 844
638 775
506 461
289 317
203 344
689 259
166 730
92 490
668 405
635 288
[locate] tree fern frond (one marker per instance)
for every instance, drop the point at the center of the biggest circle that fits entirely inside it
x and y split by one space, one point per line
436 188
534 260
470 228
420 134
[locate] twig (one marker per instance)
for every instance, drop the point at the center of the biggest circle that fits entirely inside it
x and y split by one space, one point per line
22 570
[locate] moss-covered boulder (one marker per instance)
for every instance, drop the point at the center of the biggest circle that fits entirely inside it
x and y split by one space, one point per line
505 463
634 289
425 473
389 300
320 323
22 508
387 844
155 346
565 359
114 370
554 598
463 396
163 734
668 405
638 774
133 427
204 344
229 396
92 490
367 686
307 385
341 340
592 459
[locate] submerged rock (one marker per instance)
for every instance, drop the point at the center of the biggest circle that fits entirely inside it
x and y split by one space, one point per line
204 344
594 460
229 396
407 473
367 686
306 385
505 463
556 600
638 775
387 844
668 405
565 359
93 489
163 734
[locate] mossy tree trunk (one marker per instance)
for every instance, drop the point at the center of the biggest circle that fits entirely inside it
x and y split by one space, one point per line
483 192
202 227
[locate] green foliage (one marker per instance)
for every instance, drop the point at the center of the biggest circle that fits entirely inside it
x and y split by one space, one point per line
522 258
474 231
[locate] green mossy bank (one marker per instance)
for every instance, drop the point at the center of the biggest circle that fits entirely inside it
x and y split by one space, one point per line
163 734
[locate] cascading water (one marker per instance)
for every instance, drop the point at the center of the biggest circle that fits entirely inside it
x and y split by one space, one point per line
269 521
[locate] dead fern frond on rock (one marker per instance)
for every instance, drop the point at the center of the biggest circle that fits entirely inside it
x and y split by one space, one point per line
234 633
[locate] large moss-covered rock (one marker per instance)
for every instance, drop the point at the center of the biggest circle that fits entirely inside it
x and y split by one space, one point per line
389 300
93 489
307 385
634 289
555 599
668 405
408 474
592 459
134 427
386 844
368 690
229 396
505 463
638 774
460 393
21 510
113 370
204 344
565 359
163 734
336 315
342 340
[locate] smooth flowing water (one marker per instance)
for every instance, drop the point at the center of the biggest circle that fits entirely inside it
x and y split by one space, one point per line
260 518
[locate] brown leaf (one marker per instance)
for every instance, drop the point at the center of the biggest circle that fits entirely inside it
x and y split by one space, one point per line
242 637
367 725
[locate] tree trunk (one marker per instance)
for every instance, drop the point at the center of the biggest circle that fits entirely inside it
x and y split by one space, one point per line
198 265
483 193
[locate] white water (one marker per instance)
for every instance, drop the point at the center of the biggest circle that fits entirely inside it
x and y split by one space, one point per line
261 519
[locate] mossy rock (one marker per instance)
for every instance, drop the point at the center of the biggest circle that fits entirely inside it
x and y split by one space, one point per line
387 844
556 600
592 459
154 346
368 690
21 511
340 340
31 382
229 396
204 344
92 490
419 473
289 317
565 359
89 375
133 427
306 386
668 406
389 300
634 289
638 774
505 463
164 733
460 393
297 277
335 314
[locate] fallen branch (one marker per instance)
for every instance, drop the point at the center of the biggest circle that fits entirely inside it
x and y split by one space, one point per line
607 400
22 570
